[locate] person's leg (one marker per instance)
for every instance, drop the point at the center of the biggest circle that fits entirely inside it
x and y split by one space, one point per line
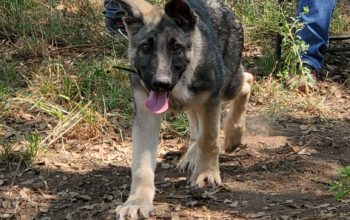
113 16
315 32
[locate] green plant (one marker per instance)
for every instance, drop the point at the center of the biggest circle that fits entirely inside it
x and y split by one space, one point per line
32 147
341 187
177 124
340 24
267 19
28 154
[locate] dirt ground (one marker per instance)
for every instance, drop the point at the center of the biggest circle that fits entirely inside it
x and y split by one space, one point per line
281 172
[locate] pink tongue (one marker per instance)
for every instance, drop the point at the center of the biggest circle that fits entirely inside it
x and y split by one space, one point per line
157 102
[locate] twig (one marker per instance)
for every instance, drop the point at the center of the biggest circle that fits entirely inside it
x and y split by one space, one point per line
14 176
71 46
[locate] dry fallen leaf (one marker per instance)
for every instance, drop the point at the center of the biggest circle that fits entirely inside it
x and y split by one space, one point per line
5 204
255 215
322 206
227 201
307 151
28 182
44 207
24 193
60 7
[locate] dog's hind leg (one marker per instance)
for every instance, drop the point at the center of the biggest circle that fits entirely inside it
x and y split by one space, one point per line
145 137
189 160
236 119
206 168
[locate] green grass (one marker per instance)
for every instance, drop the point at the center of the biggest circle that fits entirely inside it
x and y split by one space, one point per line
32 147
58 63
340 23
34 20
177 124
27 155
341 187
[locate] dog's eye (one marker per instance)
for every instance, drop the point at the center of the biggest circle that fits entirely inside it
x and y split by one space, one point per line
177 48
146 48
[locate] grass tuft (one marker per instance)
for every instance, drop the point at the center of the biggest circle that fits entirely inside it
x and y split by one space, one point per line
280 103
341 187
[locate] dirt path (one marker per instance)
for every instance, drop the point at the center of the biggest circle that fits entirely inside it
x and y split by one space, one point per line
282 172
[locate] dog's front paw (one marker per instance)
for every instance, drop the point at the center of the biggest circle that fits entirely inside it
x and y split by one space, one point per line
206 178
134 209
189 160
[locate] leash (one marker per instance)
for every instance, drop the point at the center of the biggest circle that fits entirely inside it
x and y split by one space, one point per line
125 69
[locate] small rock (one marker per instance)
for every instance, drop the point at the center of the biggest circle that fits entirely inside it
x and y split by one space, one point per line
74 194
166 185
303 127
192 203
166 166
255 215
177 208
234 204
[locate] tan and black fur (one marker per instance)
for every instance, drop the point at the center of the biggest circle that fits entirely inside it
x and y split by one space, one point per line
192 51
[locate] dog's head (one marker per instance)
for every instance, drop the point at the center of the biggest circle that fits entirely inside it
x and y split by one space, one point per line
160 45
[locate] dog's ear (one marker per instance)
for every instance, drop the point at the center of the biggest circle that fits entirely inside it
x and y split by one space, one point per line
182 13
134 12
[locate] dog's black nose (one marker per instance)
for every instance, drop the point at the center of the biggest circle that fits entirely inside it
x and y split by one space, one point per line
161 84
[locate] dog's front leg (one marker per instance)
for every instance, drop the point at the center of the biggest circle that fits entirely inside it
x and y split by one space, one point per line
206 170
145 137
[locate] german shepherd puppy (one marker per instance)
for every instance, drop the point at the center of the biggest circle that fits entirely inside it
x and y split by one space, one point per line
186 57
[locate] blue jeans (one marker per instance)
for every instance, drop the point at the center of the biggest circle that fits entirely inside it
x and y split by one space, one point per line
112 9
113 16
315 31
